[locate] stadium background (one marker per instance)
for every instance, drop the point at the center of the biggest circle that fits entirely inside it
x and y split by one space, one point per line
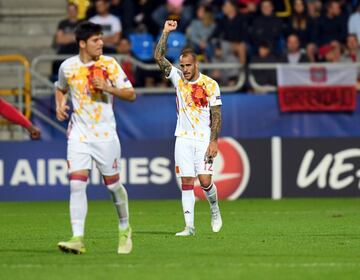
267 154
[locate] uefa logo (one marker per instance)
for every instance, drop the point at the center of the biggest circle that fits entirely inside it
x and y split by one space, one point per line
231 171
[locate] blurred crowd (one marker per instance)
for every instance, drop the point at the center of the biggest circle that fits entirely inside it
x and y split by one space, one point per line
245 31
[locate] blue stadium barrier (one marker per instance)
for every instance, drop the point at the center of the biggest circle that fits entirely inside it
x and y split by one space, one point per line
244 116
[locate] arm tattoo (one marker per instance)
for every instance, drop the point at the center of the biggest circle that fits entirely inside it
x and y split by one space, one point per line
159 55
215 117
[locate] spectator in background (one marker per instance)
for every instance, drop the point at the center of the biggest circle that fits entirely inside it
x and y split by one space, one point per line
125 11
65 37
330 52
248 7
352 50
302 25
265 55
293 53
216 6
331 26
313 8
65 34
82 8
299 23
352 53
110 24
267 27
91 10
124 48
200 30
232 30
224 54
346 7
142 20
173 10
354 23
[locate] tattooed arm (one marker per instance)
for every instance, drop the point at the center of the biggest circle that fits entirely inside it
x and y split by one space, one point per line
160 50
215 118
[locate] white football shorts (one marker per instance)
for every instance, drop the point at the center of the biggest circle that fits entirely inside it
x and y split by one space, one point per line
105 154
190 158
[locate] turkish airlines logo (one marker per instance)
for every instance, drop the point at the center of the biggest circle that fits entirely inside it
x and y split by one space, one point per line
231 170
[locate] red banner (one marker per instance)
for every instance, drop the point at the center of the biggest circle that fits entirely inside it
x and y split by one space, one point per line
312 98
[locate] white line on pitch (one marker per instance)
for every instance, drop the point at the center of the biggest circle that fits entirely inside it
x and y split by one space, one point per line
117 265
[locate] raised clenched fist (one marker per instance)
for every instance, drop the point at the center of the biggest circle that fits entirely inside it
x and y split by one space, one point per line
170 25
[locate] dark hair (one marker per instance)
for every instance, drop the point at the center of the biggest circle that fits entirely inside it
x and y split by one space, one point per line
352 35
69 4
208 9
265 44
85 30
330 2
232 3
188 51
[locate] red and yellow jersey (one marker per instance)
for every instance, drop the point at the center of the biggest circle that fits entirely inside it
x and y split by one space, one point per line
194 100
93 116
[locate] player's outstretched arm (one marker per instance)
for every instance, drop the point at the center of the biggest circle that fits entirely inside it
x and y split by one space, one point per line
215 115
9 112
160 50
12 114
35 133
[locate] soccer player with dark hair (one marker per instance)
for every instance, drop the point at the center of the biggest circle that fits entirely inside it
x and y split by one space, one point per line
197 130
92 80
10 113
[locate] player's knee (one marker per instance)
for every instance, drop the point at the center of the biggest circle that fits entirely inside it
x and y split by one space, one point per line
110 180
205 183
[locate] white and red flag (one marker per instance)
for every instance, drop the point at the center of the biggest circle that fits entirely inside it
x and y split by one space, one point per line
311 87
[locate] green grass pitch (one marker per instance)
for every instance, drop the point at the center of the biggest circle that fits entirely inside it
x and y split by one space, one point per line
261 239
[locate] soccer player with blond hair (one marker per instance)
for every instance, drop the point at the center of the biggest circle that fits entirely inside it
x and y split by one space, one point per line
197 130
